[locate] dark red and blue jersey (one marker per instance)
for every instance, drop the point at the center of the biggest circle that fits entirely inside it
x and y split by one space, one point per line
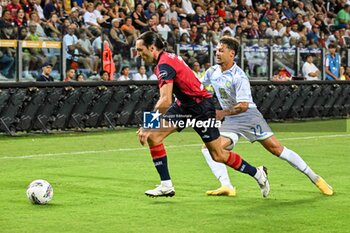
187 88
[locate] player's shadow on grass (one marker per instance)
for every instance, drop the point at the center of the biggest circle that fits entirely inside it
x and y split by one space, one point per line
272 203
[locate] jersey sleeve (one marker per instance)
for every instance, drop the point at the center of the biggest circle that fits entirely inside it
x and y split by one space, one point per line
166 74
206 78
243 92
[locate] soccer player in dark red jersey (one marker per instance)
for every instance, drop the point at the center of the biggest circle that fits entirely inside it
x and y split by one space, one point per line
192 103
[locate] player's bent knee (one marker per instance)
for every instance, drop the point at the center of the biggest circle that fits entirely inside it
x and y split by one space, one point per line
276 150
229 140
155 138
218 156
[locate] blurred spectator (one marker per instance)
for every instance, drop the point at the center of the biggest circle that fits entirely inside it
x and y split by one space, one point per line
52 7
80 77
193 33
231 27
186 5
119 39
20 19
153 76
52 28
124 74
196 68
174 36
152 24
78 4
343 18
87 51
221 11
211 16
310 71
105 75
271 31
13 7
162 28
161 10
73 54
314 35
171 12
66 6
97 42
283 75
45 75
253 32
99 13
113 11
151 10
6 54
139 19
199 17
141 75
130 31
165 3
70 75
6 18
34 19
300 9
342 73
184 27
73 18
90 18
37 56
286 10
39 9
347 73
215 33
22 33
332 63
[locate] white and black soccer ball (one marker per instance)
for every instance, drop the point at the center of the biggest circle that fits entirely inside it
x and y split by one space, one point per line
39 192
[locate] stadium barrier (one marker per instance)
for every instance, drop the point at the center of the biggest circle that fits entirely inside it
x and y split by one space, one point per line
258 59
48 106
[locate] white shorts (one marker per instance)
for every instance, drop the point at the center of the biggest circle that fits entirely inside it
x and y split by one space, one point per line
250 124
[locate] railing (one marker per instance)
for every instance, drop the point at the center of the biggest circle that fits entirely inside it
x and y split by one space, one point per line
259 60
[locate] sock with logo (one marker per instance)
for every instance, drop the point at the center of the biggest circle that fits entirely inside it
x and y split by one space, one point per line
158 154
236 162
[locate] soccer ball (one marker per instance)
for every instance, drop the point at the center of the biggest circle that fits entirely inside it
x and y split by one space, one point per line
39 192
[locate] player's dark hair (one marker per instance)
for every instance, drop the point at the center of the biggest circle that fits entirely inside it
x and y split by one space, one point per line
151 38
231 43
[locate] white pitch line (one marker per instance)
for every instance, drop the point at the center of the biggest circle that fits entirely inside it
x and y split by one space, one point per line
146 148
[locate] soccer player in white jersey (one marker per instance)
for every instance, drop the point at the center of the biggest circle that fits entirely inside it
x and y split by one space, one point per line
242 118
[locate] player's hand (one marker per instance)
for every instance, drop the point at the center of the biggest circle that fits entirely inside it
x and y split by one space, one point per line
143 135
220 114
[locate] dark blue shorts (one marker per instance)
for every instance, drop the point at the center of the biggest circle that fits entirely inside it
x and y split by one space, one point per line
192 116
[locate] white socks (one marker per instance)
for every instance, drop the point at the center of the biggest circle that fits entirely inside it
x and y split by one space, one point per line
166 183
219 169
296 161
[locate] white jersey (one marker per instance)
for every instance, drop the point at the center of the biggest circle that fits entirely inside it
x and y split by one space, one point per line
231 86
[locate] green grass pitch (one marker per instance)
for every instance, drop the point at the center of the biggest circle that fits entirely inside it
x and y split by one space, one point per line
99 181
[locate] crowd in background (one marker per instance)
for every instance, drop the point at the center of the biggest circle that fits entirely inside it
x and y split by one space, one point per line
83 25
